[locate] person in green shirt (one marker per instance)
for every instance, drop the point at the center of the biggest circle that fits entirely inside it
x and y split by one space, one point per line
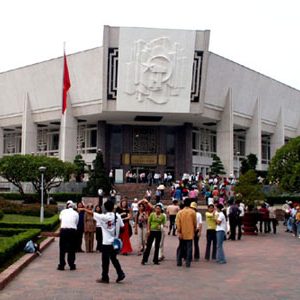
211 232
155 221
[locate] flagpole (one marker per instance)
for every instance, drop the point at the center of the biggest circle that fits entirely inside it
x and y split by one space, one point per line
63 77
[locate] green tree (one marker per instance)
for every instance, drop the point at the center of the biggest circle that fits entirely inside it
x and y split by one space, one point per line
15 169
80 168
217 167
249 163
248 188
252 161
56 172
98 177
25 168
284 167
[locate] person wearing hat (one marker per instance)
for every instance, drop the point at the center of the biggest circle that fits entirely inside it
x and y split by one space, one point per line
68 236
198 231
155 221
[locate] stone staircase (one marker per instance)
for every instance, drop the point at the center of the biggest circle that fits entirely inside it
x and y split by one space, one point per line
138 190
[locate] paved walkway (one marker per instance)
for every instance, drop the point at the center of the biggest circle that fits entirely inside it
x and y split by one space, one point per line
263 267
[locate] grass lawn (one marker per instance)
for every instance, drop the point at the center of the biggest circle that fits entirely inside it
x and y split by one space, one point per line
24 221
11 218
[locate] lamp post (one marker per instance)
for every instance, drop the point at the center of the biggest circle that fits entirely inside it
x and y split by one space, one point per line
238 164
42 171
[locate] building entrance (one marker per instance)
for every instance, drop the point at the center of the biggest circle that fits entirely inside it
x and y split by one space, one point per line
142 173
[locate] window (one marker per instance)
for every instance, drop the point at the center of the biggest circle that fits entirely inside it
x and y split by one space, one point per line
116 140
144 140
239 145
195 142
170 143
265 149
12 142
87 138
54 141
204 142
48 141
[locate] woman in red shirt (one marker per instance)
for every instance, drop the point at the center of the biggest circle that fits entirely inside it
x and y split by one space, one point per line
126 232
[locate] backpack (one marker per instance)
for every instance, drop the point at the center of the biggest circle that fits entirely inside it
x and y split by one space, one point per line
30 247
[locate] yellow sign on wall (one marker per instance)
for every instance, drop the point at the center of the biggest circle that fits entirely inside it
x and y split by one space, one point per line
125 158
141 160
162 160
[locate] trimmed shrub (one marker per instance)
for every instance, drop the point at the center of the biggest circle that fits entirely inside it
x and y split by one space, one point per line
35 198
64 197
6 232
17 196
15 242
49 224
282 199
10 207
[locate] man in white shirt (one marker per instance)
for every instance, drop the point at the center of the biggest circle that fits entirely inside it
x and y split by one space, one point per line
110 223
68 236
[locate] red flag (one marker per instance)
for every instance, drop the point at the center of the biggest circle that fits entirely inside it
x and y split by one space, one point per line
66 84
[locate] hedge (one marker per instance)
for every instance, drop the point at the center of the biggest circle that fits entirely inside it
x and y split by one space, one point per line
48 224
10 207
11 245
30 197
34 198
281 199
6 232
64 197
1 214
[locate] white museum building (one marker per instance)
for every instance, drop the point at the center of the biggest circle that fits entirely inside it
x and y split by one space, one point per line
150 99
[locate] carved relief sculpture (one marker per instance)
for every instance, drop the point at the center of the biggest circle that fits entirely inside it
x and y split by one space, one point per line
155 72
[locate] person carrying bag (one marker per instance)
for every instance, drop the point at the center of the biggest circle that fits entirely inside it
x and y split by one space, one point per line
110 223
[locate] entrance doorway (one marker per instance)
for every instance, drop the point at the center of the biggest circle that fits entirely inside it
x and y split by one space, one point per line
142 173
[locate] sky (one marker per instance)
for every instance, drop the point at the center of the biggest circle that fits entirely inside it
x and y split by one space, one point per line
262 35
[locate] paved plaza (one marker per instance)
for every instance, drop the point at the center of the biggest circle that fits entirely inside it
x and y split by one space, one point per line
262 267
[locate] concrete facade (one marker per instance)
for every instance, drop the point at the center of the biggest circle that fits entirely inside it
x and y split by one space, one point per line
152 99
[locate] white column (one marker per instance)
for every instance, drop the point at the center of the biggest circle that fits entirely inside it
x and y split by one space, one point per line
68 135
29 129
277 139
253 135
225 135
1 142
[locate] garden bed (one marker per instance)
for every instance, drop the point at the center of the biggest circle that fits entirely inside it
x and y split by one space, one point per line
21 221
13 240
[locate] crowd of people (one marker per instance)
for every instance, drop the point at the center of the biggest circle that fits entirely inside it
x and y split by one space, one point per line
292 218
148 219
